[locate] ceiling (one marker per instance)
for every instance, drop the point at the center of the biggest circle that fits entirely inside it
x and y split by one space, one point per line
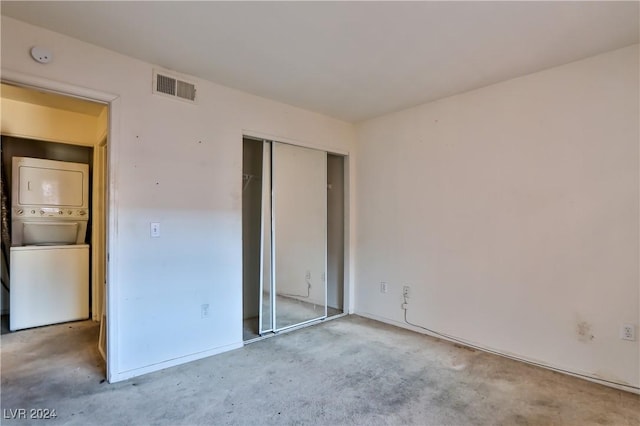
349 60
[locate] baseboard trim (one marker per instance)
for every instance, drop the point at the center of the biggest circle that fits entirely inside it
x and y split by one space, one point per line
129 374
516 357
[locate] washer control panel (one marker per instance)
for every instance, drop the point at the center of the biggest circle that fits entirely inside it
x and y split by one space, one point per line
49 212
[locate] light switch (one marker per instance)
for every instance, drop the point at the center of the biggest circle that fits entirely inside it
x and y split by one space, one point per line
155 229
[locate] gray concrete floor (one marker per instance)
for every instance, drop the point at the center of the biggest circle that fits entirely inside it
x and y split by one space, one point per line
348 371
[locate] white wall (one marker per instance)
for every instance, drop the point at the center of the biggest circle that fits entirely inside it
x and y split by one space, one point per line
30 121
180 165
512 212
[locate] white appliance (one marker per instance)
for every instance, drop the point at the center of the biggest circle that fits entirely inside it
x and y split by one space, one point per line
49 261
49 202
49 285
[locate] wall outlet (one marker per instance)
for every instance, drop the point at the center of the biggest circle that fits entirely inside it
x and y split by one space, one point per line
406 291
628 332
204 310
308 275
383 287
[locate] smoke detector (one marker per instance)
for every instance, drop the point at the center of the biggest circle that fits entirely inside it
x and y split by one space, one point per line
41 54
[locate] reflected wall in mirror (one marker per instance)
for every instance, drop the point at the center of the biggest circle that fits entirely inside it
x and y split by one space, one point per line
299 194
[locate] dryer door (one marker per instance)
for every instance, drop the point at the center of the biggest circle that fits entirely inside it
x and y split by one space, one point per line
40 186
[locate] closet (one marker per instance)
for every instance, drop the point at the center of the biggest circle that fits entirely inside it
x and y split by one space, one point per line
293 236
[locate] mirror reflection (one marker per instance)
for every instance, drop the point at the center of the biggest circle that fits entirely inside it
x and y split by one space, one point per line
284 233
299 233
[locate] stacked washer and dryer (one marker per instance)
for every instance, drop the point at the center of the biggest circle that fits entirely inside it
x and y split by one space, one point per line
49 259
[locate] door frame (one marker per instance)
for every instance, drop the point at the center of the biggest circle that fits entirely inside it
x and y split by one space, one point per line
112 102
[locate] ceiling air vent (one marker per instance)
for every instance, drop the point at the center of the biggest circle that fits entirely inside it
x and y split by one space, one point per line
173 86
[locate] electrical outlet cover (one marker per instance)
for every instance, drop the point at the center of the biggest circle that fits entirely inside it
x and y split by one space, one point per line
204 310
628 332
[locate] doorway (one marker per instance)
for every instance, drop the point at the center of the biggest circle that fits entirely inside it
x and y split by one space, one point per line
48 126
293 236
